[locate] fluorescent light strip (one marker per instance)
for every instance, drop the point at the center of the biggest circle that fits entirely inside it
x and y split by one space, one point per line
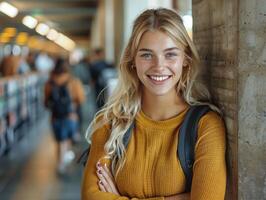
8 9
52 34
29 21
65 42
42 29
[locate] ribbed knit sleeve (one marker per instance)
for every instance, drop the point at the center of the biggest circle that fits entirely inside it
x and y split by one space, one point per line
90 189
209 179
152 170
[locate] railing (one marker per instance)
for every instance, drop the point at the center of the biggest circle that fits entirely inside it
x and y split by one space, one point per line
21 105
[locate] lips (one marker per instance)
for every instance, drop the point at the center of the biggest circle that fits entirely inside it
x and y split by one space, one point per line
157 79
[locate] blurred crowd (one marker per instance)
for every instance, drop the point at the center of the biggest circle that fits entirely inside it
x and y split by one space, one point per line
66 90
91 69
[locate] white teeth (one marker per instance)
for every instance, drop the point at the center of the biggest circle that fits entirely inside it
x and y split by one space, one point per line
159 78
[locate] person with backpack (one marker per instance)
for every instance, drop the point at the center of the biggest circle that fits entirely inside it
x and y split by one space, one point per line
98 68
159 136
63 94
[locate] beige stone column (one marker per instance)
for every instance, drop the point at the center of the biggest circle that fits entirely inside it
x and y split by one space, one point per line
98 27
230 36
252 99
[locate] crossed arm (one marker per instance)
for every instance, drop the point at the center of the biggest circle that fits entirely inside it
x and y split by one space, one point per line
209 179
106 183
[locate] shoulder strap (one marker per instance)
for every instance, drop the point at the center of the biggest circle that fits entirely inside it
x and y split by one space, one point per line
187 139
84 155
127 135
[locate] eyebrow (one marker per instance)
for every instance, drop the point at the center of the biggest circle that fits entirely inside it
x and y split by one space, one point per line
168 49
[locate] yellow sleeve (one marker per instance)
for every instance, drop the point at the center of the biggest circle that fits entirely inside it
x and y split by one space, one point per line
209 169
90 190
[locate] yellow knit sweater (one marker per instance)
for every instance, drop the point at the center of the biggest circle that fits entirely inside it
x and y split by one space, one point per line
152 169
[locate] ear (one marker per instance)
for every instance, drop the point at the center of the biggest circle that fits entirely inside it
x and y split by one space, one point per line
185 63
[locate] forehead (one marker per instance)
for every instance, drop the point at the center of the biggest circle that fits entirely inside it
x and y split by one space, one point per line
157 40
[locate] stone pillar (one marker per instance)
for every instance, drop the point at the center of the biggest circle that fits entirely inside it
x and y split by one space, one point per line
230 36
109 31
98 26
118 29
252 99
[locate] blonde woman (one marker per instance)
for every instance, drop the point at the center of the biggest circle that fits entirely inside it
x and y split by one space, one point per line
156 89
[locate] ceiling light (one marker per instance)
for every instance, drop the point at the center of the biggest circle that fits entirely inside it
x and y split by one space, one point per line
52 35
22 38
10 31
42 29
65 42
29 21
8 9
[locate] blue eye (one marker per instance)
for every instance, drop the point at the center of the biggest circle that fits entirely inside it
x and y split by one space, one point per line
146 55
170 55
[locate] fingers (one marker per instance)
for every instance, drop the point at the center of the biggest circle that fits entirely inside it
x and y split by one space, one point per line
106 179
106 169
101 186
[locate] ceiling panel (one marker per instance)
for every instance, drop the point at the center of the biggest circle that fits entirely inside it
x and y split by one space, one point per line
71 17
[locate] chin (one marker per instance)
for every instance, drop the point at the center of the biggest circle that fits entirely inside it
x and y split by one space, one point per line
160 93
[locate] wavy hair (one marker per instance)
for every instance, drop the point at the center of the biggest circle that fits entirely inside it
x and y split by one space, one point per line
122 106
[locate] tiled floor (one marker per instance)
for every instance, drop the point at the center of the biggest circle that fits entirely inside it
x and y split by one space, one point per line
28 172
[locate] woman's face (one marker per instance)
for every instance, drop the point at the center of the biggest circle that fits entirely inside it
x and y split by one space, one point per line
159 61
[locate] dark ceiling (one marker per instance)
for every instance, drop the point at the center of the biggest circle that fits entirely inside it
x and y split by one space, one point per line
70 17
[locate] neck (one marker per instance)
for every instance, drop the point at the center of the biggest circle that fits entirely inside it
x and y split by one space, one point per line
162 107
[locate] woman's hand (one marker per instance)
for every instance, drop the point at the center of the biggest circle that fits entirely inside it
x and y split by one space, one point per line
106 181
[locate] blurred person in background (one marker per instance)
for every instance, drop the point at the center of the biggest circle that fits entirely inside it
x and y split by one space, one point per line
31 58
97 67
63 94
44 63
81 71
13 65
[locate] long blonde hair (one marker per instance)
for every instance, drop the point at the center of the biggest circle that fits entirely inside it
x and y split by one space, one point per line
125 102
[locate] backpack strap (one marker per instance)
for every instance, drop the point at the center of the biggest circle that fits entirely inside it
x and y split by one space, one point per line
187 139
83 158
127 135
84 155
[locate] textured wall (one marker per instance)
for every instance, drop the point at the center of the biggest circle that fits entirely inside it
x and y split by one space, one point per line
215 25
252 99
230 36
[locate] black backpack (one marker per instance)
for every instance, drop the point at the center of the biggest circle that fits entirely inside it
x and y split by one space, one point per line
186 141
60 102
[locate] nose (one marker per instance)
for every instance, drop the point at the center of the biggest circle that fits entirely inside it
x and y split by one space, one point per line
159 62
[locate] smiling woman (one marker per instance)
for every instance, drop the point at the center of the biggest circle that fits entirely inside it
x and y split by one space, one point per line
159 62
136 136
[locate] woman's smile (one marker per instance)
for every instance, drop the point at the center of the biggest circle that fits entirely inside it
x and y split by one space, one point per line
159 79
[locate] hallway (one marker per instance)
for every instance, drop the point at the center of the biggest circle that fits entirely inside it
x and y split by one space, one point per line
32 173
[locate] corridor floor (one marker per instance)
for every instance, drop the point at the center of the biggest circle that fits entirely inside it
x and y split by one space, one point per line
28 172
